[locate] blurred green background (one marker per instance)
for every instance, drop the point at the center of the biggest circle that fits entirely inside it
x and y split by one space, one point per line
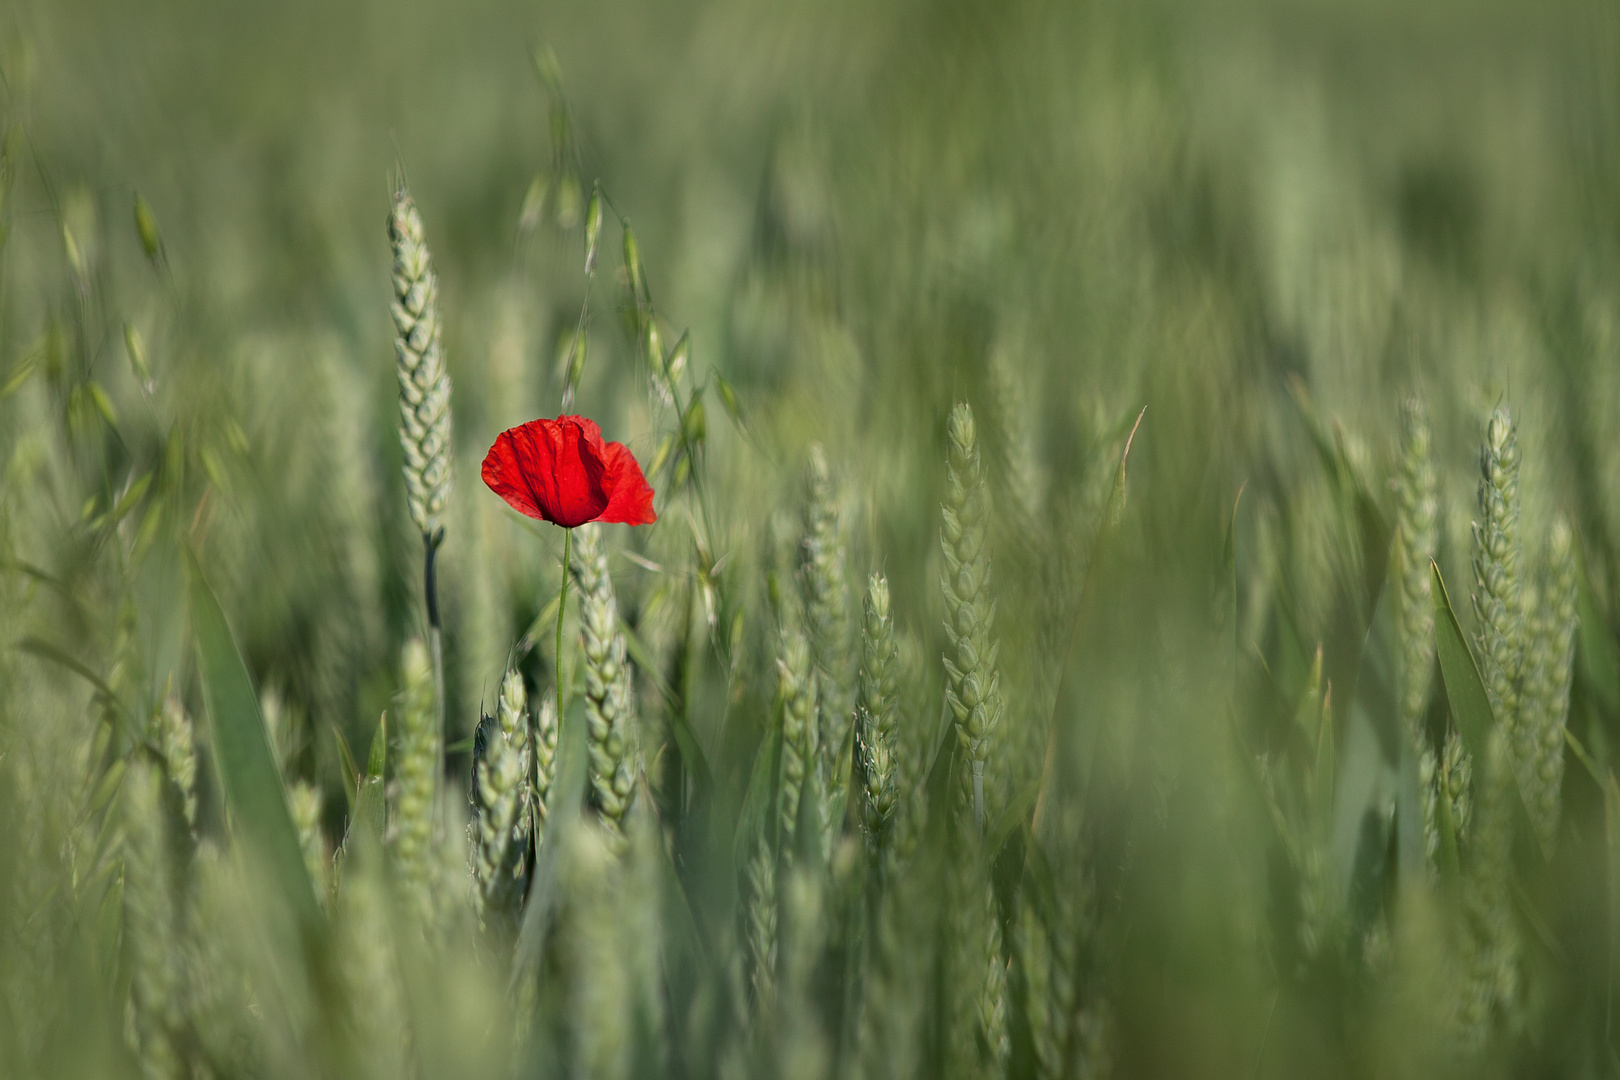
1248 218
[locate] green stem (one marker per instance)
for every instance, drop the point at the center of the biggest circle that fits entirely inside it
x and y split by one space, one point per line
562 605
430 591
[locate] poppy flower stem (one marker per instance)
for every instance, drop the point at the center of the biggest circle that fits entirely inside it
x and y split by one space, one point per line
562 606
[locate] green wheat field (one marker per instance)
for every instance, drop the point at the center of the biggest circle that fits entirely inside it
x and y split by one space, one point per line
1136 583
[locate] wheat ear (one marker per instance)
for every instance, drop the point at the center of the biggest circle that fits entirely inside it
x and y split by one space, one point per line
796 704
973 688
826 612
1544 702
499 833
878 715
609 703
416 778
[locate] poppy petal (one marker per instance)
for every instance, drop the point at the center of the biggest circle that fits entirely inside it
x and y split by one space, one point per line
504 476
591 430
630 497
548 469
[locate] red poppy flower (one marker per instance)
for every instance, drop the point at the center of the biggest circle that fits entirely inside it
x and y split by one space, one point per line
561 471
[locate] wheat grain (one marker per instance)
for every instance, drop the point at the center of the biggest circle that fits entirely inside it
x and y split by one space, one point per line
379 1043
1416 539
424 379
802 1046
796 704
176 744
416 776
760 929
499 832
149 917
546 732
304 803
1032 965
979 1039
599 986
1548 668
878 714
1497 581
609 704
1490 994
826 612
1448 776
973 689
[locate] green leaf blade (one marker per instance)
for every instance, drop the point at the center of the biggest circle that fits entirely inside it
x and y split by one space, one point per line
242 753
1470 707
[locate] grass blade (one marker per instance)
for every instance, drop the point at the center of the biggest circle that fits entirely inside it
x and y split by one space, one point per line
370 808
351 771
242 753
758 811
1096 572
1465 690
1599 666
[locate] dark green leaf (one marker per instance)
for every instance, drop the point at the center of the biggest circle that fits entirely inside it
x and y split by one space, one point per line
1013 815
1599 666
370 808
351 771
1470 707
243 755
760 798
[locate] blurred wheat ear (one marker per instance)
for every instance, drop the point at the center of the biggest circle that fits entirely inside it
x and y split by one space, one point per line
878 716
501 797
974 687
416 778
826 611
